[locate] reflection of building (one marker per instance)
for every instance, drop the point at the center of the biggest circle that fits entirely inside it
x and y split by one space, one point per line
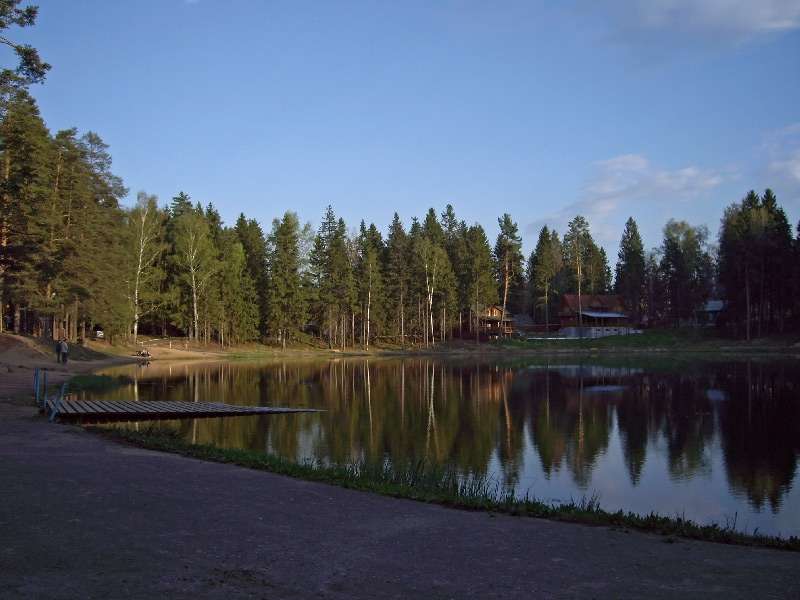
600 314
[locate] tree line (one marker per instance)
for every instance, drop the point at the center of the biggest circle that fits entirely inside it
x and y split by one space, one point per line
73 259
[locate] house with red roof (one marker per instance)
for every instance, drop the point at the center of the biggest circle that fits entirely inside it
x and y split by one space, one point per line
599 315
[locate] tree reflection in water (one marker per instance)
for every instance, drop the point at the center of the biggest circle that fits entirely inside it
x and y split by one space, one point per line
707 439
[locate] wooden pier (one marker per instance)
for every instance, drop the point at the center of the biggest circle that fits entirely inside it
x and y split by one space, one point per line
127 410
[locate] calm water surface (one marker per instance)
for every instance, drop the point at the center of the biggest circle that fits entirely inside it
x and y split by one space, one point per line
713 442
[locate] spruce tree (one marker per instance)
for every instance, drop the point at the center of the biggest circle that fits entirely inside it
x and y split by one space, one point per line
630 276
397 269
542 271
286 303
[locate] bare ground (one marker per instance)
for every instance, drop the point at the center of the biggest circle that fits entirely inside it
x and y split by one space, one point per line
84 516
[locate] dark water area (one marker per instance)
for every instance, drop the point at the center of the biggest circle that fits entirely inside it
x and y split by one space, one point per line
714 442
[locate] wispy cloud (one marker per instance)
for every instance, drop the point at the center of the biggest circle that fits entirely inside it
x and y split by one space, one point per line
782 148
628 185
659 28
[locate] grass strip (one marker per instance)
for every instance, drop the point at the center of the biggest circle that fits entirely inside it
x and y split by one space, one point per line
424 481
96 383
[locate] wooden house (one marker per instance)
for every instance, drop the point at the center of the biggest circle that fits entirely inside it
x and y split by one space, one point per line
600 315
493 323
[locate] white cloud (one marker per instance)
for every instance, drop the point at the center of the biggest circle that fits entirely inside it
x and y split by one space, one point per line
629 185
782 171
628 179
788 167
663 27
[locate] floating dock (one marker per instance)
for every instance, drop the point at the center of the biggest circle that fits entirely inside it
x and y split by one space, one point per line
128 410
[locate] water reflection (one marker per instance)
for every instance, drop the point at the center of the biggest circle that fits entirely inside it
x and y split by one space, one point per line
713 442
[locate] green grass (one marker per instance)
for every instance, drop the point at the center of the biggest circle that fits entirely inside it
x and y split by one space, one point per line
423 481
666 339
96 383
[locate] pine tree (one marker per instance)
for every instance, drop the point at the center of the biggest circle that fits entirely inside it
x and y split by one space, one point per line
508 265
576 244
30 261
30 68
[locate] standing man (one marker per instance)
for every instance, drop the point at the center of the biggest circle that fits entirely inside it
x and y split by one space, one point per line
64 350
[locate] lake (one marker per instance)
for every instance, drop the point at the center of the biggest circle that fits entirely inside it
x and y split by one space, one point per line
710 441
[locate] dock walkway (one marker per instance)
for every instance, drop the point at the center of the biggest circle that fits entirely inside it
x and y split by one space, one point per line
133 410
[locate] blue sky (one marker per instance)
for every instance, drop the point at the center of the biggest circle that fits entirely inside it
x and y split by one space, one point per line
543 110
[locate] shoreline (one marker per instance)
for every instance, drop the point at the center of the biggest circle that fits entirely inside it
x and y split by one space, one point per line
87 515
21 354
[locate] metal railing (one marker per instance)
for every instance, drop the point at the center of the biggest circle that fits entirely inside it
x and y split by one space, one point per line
36 388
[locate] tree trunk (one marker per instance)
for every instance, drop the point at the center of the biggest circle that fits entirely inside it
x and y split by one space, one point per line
402 323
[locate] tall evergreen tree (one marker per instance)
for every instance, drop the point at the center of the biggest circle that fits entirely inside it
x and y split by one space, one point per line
30 261
30 68
397 276
630 281
255 250
542 272
370 281
334 281
577 242
238 306
481 282
509 264
755 243
107 188
455 244
654 286
287 307
99 254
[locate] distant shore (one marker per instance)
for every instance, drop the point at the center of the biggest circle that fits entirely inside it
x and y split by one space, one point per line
21 354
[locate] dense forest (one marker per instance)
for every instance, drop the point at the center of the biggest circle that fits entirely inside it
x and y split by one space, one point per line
73 259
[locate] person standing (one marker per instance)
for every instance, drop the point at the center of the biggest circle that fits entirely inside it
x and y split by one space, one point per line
64 350
58 351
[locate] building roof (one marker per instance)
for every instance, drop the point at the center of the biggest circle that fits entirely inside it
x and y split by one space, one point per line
589 302
603 315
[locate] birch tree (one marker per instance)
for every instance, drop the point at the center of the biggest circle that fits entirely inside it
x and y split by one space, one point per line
146 228
196 259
